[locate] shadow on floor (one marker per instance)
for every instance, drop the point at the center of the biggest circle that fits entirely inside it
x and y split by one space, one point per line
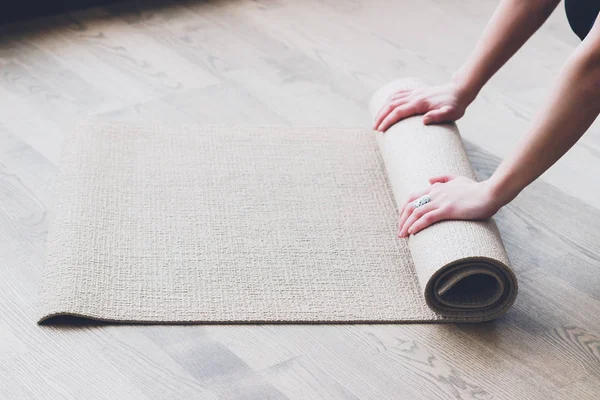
28 9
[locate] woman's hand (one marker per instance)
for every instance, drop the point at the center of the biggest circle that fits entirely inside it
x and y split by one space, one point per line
438 103
451 198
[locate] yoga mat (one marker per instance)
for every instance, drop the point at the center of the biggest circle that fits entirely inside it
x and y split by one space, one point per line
157 223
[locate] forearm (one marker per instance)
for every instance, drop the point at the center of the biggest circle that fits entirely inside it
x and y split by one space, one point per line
513 22
571 109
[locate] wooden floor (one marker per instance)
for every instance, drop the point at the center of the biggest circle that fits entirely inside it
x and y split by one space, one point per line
309 62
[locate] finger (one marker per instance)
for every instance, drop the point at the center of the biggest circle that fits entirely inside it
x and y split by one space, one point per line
442 114
399 113
441 179
408 208
386 110
398 93
428 219
383 112
399 96
415 215
388 107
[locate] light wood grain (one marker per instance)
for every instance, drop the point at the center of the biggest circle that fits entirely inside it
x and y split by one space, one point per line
313 62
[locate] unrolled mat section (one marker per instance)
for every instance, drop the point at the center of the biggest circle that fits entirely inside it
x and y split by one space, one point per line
206 224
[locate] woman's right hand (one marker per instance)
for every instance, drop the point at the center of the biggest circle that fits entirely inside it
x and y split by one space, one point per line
444 103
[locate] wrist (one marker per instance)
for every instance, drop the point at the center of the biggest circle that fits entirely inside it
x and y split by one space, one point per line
501 190
465 88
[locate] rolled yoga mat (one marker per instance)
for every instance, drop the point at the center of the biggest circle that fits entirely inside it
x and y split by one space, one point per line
219 224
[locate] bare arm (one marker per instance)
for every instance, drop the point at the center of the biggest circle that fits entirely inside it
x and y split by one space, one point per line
571 109
513 22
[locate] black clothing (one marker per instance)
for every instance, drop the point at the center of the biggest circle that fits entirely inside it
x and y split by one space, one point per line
581 15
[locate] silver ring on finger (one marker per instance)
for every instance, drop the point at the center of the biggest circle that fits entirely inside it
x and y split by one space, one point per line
421 201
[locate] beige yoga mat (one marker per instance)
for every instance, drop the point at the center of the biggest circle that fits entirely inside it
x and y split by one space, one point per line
161 223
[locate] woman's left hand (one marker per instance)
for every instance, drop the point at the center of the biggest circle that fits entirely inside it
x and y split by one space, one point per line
451 198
